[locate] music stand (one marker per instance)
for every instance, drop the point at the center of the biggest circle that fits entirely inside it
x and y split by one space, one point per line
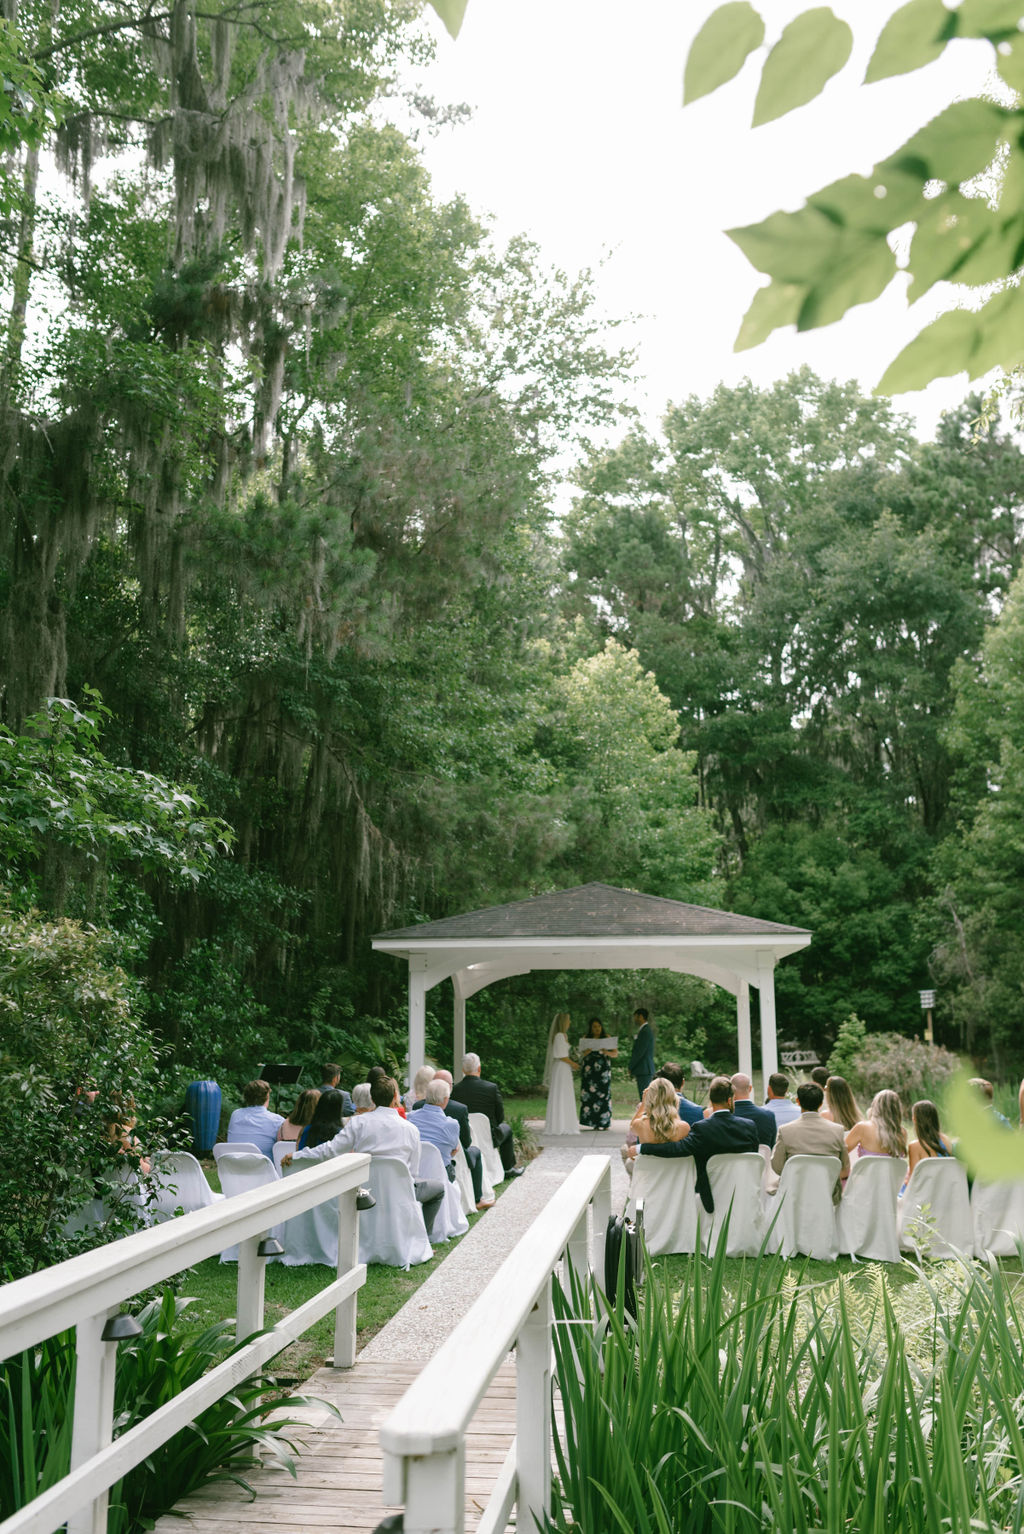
279 1076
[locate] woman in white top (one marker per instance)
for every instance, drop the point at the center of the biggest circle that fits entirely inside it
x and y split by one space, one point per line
558 1068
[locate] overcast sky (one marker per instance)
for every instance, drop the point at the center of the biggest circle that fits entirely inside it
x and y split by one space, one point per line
580 140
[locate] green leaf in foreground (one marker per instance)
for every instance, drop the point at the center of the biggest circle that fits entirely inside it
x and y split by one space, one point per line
451 13
913 36
810 51
721 48
990 1151
963 340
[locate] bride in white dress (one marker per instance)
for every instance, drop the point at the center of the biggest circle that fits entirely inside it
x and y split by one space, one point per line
558 1068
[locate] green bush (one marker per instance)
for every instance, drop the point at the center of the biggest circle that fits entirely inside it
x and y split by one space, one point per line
69 1025
850 1040
907 1066
783 1406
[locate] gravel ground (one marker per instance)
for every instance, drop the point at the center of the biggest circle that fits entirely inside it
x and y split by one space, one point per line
424 1323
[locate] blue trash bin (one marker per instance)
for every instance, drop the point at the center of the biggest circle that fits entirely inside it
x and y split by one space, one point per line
202 1099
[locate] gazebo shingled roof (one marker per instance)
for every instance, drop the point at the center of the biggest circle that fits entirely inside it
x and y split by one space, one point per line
594 926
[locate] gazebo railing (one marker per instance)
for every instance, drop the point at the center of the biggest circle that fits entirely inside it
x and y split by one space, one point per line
88 1291
424 1438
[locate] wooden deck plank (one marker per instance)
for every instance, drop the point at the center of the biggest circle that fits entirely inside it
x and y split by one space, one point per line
339 1465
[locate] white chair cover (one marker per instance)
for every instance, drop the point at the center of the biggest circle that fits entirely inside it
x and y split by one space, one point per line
804 1215
449 1220
464 1182
736 1186
393 1231
998 1212
235 1148
867 1212
935 1211
480 1129
239 1172
283 1148
179 1185
313 1235
668 1189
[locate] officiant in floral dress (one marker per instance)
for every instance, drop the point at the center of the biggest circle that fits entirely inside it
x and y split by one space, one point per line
596 1081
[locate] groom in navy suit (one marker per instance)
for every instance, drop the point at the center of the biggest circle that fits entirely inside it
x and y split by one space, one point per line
721 1134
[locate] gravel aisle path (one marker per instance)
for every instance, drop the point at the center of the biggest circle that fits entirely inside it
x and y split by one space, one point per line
432 1313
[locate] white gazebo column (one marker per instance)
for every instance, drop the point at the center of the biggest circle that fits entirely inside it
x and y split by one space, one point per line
458 1033
743 1045
418 986
766 989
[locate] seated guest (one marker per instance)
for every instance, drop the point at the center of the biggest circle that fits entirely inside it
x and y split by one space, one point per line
744 1107
332 1077
840 1104
819 1076
383 1132
326 1121
121 1132
255 1122
434 1124
378 1073
811 1135
418 1091
721 1134
689 1112
984 1090
481 1096
362 1100
930 1140
657 1121
300 1115
460 1113
777 1099
881 1132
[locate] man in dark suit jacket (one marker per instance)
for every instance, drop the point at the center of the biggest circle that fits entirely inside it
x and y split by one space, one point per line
483 1097
721 1134
743 1105
641 1059
690 1112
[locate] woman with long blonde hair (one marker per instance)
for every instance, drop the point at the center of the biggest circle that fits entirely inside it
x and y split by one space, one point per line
840 1104
657 1121
881 1133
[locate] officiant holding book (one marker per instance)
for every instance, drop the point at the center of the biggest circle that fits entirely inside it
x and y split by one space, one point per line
596 1076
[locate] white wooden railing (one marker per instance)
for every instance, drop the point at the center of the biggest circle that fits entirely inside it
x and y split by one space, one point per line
86 1291
424 1438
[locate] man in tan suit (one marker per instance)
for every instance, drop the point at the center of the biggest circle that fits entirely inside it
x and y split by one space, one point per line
811 1135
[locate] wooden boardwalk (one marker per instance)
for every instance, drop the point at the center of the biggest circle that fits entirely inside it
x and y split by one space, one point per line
338 1488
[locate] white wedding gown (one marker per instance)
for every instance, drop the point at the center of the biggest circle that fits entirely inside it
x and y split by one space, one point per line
561 1115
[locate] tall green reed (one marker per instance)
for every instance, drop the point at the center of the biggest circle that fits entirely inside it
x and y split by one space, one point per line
768 1403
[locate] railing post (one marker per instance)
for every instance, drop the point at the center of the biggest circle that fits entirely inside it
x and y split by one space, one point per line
435 1492
348 1256
601 1208
93 1425
577 1249
533 1414
252 1273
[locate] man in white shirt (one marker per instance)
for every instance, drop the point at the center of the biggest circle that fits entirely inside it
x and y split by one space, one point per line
778 1101
254 1122
383 1132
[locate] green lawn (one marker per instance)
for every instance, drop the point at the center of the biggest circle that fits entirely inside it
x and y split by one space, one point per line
212 1286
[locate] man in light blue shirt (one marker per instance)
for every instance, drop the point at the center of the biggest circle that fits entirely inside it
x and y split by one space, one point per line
778 1101
434 1124
254 1122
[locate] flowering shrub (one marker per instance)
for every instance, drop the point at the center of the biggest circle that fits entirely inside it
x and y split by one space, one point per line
906 1066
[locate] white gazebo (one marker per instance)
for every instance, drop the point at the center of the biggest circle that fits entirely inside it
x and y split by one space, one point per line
595 926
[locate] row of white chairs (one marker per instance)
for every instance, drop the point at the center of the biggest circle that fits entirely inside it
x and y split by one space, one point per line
937 1216
392 1232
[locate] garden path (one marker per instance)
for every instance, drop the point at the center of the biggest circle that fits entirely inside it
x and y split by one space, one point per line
338 1484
